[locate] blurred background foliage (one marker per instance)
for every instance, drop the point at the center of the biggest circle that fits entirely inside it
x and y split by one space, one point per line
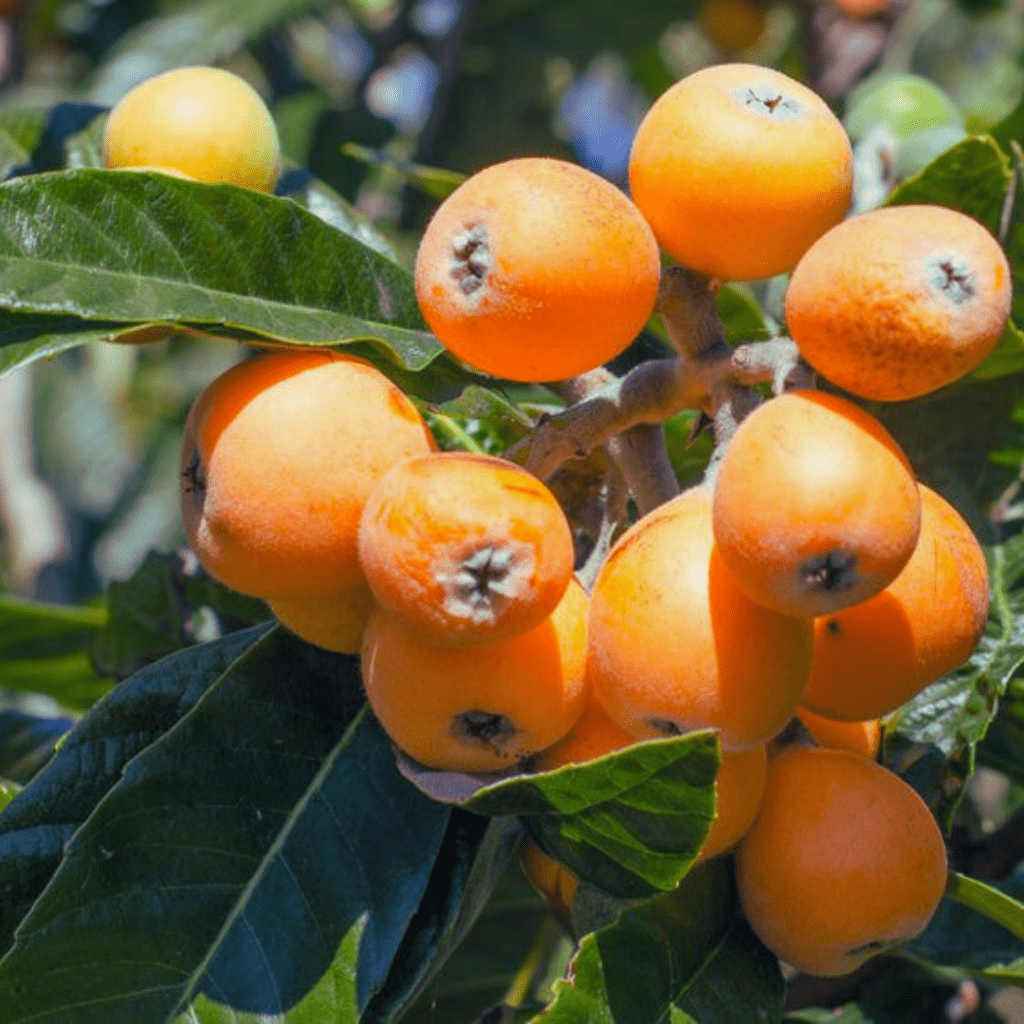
382 106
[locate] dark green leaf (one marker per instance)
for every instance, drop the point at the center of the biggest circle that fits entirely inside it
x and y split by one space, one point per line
169 603
148 248
233 859
958 936
332 208
1011 128
631 822
687 958
35 826
474 934
952 715
26 337
971 177
44 649
8 791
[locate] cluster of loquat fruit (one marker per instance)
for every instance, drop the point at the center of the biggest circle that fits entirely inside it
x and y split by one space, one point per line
809 575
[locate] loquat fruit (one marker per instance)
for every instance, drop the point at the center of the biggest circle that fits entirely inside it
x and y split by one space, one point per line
481 708
280 453
334 621
738 169
862 738
465 548
875 656
664 655
203 123
536 269
816 507
843 860
897 302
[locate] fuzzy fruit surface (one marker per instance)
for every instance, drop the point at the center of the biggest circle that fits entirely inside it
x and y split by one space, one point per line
843 859
205 123
480 708
334 621
465 548
280 453
862 738
875 656
663 652
897 302
738 169
816 507
536 269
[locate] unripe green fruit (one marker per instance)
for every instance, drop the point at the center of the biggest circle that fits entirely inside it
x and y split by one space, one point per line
904 104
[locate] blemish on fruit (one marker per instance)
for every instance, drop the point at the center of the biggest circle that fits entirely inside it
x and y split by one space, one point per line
472 258
487 728
833 572
833 628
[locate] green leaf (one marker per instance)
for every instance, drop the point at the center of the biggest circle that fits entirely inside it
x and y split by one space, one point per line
480 419
969 928
122 246
953 714
971 177
27 337
631 822
741 315
169 603
332 208
686 957
465 928
38 822
12 154
44 649
8 791
1011 128
233 858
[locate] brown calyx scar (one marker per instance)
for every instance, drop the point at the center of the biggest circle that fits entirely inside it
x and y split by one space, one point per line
766 99
486 728
471 259
951 276
832 572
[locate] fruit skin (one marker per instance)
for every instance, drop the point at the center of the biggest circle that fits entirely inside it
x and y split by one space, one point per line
738 169
536 269
557 884
465 548
520 695
897 302
816 507
663 655
844 857
862 738
335 621
875 656
902 103
205 123
280 453
594 735
738 784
